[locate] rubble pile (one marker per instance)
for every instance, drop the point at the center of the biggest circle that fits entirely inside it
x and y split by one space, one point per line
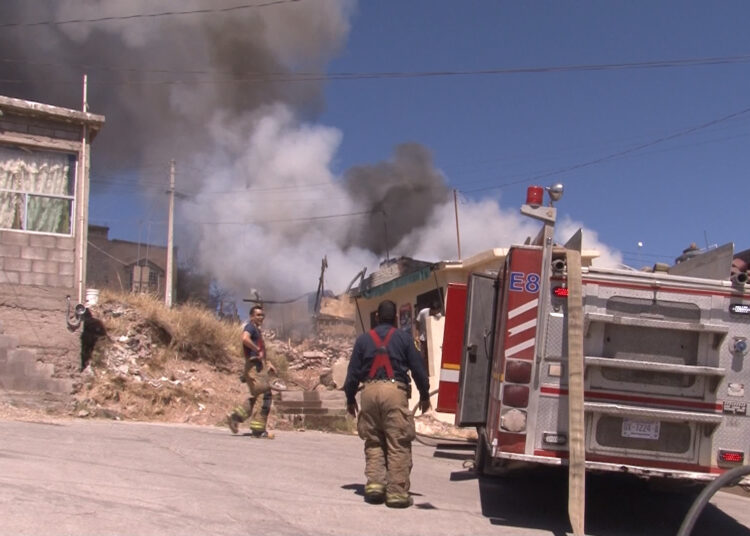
137 373
311 362
142 371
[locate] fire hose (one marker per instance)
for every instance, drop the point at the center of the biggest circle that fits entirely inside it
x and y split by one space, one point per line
727 479
576 431
422 437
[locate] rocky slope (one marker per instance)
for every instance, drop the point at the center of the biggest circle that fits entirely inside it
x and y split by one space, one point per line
184 366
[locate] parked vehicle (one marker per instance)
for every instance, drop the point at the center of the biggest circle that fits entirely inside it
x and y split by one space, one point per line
643 372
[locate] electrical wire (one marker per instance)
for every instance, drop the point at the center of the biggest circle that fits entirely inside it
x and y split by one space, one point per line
136 16
286 220
264 77
90 243
618 154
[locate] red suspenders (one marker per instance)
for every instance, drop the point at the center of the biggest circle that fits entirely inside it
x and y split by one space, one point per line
382 359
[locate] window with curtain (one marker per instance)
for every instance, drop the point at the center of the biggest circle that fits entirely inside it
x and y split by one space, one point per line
36 190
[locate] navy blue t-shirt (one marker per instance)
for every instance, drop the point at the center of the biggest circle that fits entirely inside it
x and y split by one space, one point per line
256 336
403 357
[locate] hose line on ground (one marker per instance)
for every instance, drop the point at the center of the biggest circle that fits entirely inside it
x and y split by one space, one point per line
421 437
728 478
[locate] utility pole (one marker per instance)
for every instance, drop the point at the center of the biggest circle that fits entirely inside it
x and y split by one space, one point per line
385 230
170 236
458 235
82 184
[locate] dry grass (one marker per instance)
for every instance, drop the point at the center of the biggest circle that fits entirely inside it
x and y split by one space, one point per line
187 332
160 364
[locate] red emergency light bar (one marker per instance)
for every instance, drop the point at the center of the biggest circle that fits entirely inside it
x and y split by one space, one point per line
560 292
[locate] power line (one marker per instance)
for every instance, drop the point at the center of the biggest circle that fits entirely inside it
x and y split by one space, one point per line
255 77
135 16
90 243
631 155
285 220
618 154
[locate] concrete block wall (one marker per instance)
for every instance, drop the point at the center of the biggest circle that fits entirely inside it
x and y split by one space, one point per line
35 315
41 260
36 275
38 126
20 370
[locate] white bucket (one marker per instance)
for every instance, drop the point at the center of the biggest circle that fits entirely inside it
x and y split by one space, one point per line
92 296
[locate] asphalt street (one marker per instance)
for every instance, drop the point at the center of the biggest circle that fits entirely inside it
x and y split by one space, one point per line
104 477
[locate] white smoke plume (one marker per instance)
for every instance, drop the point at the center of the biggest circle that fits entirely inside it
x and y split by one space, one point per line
213 91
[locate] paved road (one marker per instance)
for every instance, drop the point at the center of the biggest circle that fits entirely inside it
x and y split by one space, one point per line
97 477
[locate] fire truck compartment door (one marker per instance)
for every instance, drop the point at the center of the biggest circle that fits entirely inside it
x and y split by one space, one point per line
476 358
453 337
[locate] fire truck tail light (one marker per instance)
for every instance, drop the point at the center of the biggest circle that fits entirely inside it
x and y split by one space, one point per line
518 371
560 292
731 456
513 420
516 395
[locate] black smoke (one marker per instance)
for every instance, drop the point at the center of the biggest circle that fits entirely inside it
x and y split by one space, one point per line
401 193
160 81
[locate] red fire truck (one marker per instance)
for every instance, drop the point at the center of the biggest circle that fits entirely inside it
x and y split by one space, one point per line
645 372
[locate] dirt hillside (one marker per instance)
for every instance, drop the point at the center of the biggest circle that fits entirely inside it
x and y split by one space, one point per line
182 365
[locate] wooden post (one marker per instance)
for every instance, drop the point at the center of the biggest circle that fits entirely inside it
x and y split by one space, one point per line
458 235
170 236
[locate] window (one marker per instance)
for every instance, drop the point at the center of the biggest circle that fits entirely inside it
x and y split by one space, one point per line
144 277
153 280
426 299
36 190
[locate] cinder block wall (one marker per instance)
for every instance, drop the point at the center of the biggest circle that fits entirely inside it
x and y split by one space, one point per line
36 126
36 275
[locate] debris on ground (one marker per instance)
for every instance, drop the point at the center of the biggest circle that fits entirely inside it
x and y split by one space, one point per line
182 365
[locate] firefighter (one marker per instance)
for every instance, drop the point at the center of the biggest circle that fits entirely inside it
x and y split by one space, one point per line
424 314
255 375
93 330
381 360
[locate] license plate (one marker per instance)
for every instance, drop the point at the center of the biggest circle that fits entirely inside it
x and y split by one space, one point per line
640 429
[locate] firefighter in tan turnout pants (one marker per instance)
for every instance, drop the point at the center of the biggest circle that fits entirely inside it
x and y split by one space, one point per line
381 361
255 375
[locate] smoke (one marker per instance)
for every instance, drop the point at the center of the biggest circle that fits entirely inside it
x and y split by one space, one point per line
213 91
159 80
403 193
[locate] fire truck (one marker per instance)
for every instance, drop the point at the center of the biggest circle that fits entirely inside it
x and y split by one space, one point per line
602 369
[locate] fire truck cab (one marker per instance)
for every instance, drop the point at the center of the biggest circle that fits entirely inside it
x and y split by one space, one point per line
661 355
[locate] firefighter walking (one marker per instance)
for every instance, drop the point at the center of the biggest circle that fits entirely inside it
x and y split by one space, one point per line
255 375
381 361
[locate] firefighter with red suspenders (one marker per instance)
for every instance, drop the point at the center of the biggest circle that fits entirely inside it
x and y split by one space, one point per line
381 361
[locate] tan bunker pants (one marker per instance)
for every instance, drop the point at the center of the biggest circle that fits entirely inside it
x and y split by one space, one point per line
258 405
387 427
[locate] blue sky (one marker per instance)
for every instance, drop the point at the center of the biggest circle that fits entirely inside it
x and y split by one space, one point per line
640 108
490 132
493 134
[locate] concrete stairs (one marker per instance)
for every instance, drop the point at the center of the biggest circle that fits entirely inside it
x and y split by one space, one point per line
315 410
20 370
